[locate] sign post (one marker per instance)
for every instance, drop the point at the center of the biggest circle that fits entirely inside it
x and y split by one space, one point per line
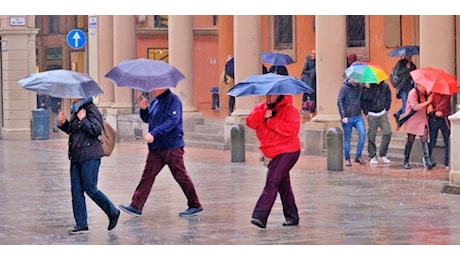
76 39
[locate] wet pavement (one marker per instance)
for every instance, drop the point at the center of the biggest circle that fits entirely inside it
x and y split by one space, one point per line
362 205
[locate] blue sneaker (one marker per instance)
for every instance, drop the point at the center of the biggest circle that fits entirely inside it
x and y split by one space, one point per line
131 210
190 212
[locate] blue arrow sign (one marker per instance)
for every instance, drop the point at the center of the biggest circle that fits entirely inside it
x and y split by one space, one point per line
76 39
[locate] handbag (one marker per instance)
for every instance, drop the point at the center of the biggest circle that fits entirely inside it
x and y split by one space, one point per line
107 138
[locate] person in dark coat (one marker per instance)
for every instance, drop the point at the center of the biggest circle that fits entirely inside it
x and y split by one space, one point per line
165 141
438 112
404 83
349 104
309 77
281 70
85 153
376 102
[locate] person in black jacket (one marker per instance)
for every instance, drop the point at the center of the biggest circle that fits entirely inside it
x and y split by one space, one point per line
309 77
85 153
349 104
375 102
404 83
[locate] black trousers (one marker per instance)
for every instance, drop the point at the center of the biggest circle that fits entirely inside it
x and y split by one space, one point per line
435 124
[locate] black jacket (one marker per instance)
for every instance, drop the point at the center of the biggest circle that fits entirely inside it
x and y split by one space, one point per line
84 135
404 78
376 98
349 99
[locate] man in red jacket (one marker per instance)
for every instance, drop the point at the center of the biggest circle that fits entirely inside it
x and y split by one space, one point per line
277 125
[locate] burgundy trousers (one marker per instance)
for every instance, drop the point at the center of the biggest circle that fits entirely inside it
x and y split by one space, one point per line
155 162
278 181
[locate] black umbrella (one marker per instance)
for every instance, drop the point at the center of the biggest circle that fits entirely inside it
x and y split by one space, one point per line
408 50
230 67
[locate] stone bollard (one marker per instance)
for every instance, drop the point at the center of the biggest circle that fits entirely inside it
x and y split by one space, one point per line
237 143
334 149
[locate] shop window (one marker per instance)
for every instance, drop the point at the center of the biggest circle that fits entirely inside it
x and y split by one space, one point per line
358 36
283 32
53 22
158 54
160 21
54 54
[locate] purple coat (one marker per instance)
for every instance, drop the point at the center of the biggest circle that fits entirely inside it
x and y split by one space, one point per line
417 123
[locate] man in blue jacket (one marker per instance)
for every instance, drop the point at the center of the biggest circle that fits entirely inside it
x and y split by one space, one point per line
166 147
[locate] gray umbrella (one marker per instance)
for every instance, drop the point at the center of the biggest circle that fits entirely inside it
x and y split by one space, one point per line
403 51
145 74
61 83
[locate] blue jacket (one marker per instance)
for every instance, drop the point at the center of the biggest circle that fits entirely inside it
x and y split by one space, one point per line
164 116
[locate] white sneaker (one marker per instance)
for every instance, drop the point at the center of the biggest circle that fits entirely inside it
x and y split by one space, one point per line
385 159
374 160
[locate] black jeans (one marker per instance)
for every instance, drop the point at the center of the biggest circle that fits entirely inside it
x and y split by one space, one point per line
435 124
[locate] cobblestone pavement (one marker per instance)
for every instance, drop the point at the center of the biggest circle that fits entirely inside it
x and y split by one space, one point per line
362 205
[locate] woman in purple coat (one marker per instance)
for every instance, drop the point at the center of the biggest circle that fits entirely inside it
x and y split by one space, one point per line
417 124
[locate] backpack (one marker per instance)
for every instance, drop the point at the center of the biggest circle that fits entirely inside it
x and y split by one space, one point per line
394 78
108 138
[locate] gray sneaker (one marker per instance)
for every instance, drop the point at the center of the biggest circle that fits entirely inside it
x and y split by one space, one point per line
190 212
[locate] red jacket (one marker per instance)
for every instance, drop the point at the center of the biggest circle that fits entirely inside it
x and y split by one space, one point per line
280 134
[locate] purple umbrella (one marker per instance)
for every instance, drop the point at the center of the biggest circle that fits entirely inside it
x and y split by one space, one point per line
276 59
145 74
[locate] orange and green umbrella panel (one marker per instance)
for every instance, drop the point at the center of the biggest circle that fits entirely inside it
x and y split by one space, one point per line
366 72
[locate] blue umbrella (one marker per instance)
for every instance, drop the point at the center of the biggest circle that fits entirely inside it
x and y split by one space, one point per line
62 84
145 74
276 59
269 84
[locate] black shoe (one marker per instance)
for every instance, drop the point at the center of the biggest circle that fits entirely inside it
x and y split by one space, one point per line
113 221
258 223
79 230
360 160
291 223
407 165
347 163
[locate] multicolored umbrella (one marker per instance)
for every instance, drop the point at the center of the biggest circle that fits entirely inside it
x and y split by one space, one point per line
435 80
366 72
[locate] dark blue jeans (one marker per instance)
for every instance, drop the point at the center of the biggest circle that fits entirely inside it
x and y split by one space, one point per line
278 180
83 178
403 95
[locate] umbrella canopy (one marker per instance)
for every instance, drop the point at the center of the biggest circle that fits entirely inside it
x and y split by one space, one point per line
269 84
230 67
435 80
408 50
276 59
366 72
145 74
62 84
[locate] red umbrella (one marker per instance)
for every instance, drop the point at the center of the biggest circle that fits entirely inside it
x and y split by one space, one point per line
435 80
